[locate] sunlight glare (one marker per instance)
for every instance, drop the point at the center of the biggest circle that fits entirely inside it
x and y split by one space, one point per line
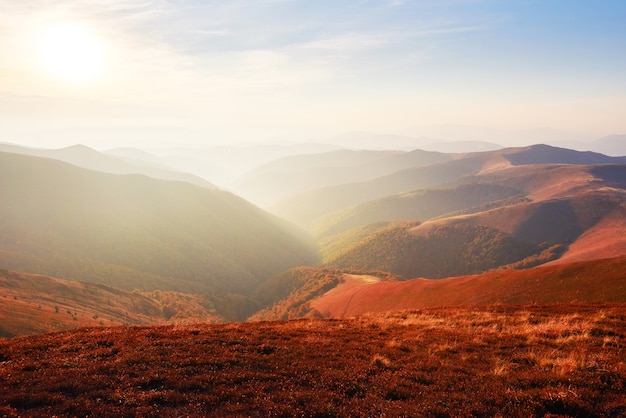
70 51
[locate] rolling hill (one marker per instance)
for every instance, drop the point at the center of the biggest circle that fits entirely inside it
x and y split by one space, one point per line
476 212
419 205
85 157
307 208
447 249
519 235
304 209
131 231
360 294
283 178
34 304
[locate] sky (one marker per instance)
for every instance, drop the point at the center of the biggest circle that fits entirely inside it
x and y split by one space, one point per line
111 73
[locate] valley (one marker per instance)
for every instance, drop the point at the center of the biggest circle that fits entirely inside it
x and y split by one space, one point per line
366 282
313 209
414 218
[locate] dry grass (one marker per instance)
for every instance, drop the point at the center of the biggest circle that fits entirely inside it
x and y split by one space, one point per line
535 360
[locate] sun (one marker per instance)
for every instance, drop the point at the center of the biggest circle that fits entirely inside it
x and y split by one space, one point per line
71 52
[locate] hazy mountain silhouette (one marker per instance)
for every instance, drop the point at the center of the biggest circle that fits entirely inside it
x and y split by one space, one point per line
610 145
85 157
133 231
292 175
306 208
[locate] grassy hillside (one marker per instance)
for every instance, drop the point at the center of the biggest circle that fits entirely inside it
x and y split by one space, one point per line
586 281
137 232
510 167
289 294
520 361
419 205
554 221
449 249
33 304
356 293
333 246
521 235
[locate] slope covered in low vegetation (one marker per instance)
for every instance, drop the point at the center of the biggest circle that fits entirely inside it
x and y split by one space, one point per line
419 205
447 250
34 304
514 361
288 295
585 281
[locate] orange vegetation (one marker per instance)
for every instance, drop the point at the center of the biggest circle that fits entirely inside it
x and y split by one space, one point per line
513 361
31 303
594 281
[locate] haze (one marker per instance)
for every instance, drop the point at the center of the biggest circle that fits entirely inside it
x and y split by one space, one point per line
203 73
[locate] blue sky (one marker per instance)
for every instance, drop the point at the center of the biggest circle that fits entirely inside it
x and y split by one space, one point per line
230 71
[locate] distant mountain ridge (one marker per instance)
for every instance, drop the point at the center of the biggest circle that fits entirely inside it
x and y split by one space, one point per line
382 216
34 304
287 176
307 208
132 231
85 157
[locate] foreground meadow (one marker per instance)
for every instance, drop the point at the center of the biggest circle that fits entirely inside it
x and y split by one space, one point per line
513 361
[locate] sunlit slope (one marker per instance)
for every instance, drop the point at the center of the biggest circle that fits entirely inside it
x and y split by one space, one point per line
488 189
289 295
419 205
507 167
33 304
293 175
521 235
512 361
354 295
136 232
307 207
450 249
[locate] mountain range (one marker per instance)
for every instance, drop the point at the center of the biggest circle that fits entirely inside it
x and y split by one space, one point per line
133 231
338 224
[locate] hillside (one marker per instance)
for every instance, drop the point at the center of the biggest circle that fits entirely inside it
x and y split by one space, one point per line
283 178
136 232
495 186
507 167
518 361
520 235
288 295
586 281
418 205
446 250
305 208
85 157
34 304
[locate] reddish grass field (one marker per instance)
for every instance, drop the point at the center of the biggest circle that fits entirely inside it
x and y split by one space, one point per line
586 282
508 361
